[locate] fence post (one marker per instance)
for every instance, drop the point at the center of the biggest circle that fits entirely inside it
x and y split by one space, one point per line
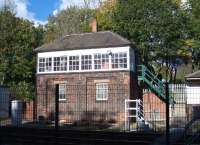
57 107
167 114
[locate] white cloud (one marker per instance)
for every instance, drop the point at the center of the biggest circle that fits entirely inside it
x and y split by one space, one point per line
21 8
63 4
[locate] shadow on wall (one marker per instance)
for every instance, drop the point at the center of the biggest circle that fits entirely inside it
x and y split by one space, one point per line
98 117
84 117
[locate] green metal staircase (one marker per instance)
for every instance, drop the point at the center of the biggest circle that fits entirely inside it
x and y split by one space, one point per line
154 84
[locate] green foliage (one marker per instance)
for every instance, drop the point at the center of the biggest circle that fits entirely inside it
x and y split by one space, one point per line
158 28
194 31
23 91
17 40
155 26
71 20
104 14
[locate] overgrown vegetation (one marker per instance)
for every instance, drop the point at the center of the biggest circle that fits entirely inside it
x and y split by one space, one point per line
166 33
18 38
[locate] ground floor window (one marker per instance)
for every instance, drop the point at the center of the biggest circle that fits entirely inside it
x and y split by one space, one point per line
62 92
101 91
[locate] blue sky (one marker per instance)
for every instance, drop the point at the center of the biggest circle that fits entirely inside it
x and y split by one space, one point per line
38 11
42 8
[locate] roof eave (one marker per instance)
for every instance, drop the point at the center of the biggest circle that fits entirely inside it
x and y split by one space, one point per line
189 79
78 48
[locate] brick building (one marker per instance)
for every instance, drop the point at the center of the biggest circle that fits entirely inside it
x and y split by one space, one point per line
193 94
95 71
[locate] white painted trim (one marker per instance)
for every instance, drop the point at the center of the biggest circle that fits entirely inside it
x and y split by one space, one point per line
101 99
62 99
193 79
84 52
128 58
76 71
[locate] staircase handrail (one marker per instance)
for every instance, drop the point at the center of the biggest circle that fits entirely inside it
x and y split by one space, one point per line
144 69
153 81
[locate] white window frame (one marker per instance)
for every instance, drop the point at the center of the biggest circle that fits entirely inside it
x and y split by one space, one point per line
63 63
74 60
102 89
118 60
80 53
41 63
48 65
86 62
64 89
101 60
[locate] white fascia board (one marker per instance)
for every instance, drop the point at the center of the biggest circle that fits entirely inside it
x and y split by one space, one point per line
77 71
193 79
83 52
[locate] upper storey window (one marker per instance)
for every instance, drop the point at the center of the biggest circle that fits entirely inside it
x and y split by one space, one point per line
48 64
41 64
119 60
86 62
60 63
101 61
45 64
73 63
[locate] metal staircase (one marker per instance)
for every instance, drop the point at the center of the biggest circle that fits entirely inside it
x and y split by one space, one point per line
154 84
134 114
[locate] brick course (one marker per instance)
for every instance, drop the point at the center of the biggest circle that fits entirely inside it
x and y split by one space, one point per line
81 103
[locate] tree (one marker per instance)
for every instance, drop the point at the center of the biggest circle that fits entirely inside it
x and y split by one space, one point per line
18 39
156 27
74 19
104 14
193 42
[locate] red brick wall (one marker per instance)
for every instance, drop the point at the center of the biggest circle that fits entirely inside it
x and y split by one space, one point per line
154 108
28 111
81 96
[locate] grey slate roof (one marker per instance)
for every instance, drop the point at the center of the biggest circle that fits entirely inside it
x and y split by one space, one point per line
85 41
193 75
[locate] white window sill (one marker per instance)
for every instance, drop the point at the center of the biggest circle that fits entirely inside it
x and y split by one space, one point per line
101 99
60 100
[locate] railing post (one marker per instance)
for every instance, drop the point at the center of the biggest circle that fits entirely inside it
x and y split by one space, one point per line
57 107
167 114
125 115
143 71
136 118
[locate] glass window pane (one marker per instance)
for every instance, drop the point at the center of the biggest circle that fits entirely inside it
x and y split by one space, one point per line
74 63
62 91
102 91
86 62
101 61
60 63
119 60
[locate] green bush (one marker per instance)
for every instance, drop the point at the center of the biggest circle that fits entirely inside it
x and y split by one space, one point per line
22 91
